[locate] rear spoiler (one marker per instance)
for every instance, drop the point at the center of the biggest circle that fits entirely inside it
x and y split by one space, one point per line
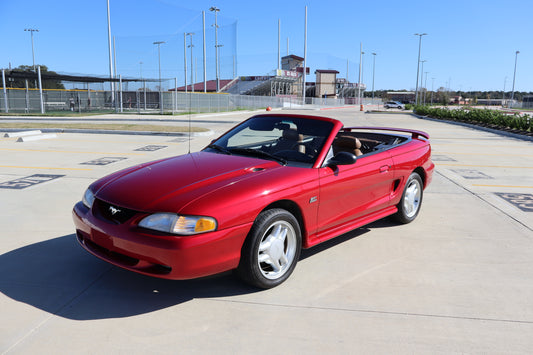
414 133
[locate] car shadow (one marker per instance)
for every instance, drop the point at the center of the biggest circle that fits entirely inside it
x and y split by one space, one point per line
306 253
382 223
59 277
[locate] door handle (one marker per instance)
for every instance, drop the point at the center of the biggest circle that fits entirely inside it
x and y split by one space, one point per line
384 168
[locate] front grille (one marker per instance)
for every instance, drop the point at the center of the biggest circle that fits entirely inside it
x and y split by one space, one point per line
112 213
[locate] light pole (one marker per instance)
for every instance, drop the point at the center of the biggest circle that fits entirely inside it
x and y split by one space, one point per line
425 87
160 89
216 10
363 67
185 60
31 30
514 76
418 64
503 96
420 87
360 69
144 85
112 83
192 68
279 43
432 90
204 60
373 74
304 72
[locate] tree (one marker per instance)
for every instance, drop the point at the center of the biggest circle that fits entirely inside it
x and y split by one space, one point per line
15 81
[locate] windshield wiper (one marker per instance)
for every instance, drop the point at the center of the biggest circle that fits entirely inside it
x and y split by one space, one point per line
258 153
219 148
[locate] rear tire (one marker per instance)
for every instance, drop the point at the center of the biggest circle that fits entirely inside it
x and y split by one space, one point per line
271 250
411 201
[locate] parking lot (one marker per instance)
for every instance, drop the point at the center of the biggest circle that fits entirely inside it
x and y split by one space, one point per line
457 280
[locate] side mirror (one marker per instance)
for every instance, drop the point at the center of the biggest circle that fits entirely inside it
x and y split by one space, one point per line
342 158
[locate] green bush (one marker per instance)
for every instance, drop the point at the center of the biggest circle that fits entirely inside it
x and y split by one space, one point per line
485 116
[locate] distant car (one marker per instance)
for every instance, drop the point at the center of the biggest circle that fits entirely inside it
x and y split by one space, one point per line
253 198
394 104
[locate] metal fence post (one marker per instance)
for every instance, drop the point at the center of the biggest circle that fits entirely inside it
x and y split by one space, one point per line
88 98
138 99
27 108
6 106
175 94
144 94
120 88
40 89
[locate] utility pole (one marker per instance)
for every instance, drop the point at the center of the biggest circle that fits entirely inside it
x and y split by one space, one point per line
514 76
304 72
192 62
160 89
110 55
418 64
216 10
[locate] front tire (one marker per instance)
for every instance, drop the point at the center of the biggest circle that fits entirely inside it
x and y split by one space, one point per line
271 250
411 201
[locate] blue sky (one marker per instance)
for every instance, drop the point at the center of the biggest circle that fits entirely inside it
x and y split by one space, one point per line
470 45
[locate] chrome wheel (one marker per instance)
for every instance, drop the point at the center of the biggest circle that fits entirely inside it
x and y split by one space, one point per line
277 250
412 198
411 201
271 250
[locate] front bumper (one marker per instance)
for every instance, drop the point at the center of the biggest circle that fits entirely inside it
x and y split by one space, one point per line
156 254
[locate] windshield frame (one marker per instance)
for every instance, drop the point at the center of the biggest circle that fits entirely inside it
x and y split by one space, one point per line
306 138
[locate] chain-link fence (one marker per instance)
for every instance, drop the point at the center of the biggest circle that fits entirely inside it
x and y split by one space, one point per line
29 100
144 101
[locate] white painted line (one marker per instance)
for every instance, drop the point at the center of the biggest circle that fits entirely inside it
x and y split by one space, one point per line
22 133
36 138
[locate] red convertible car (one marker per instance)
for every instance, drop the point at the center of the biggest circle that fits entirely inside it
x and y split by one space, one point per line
253 198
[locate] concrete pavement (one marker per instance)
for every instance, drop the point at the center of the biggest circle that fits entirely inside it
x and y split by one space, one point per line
457 280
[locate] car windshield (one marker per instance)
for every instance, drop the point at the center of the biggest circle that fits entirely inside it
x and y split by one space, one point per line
294 141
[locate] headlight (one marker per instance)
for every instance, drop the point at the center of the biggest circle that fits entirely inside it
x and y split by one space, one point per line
88 198
176 224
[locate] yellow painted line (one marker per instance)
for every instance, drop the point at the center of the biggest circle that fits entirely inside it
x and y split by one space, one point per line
519 187
486 166
66 151
42 167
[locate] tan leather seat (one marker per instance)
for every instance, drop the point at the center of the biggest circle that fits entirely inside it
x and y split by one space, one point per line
291 139
347 144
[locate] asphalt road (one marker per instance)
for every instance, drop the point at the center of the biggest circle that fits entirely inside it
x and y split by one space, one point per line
457 280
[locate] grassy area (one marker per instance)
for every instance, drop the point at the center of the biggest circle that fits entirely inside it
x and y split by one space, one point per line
93 126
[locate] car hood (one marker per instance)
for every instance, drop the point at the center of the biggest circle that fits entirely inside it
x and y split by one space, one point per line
170 184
